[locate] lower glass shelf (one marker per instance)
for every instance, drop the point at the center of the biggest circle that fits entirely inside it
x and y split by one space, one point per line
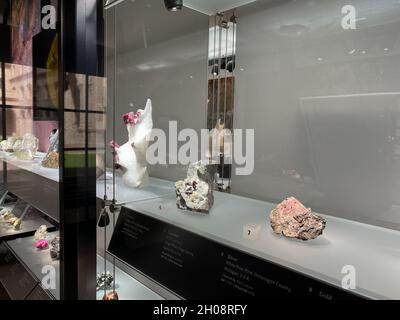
30 223
34 260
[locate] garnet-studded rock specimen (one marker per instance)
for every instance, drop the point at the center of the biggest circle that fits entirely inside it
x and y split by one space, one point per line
195 193
293 220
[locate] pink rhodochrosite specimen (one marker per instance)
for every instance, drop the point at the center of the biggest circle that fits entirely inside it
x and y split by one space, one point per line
292 219
131 156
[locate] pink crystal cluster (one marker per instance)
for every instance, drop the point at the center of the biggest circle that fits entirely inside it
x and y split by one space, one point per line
293 220
131 117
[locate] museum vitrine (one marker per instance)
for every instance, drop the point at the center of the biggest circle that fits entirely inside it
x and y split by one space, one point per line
252 149
52 110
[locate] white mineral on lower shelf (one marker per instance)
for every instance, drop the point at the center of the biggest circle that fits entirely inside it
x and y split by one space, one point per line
292 219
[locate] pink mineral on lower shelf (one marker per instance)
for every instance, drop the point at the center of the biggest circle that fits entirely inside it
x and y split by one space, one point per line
42 244
293 220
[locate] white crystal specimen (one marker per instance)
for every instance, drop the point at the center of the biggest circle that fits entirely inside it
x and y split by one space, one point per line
27 148
131 156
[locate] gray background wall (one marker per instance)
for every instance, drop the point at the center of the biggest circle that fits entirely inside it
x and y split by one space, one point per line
324 103
163 56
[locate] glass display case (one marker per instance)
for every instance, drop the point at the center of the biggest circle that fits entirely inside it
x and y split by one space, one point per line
251 149
51 113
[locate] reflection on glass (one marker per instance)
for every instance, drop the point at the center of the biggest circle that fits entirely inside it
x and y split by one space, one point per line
75 133
19 122
96 130
18 85
45 93
74 123
75 92
1 83
97 93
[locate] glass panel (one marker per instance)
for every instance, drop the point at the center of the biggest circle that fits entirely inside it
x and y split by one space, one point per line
161 56
325 105
1 83
30 56
19 122
19 85
75 95
96 130
322 100
75 128
97 94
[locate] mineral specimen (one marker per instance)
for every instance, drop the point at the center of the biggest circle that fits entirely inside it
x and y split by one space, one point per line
12 220
17 145
195 193
113 295
51 160
3 145
42 244
54 141
8 145
40 233
8 216
131 156
17 224
5 214
27 148
55 248
292 219
104 280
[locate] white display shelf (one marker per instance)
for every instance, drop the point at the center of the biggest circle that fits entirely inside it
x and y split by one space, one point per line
33 166
373 251
156 188
33 183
